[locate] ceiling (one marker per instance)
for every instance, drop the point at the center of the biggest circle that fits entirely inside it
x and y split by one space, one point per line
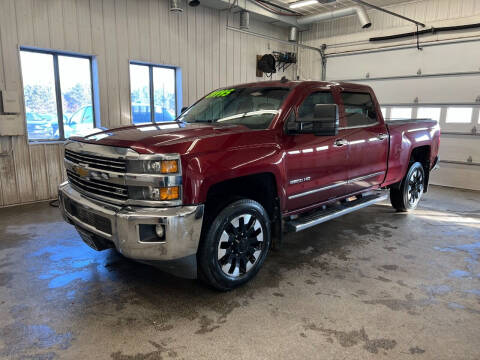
339 4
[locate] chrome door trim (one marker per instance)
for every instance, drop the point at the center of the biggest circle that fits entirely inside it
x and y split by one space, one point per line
366 177
333 186
359 126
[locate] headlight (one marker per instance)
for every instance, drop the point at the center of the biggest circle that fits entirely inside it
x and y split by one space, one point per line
154 167
154 193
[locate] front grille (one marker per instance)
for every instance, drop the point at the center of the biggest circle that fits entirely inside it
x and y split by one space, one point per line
98 222
97 162
98 187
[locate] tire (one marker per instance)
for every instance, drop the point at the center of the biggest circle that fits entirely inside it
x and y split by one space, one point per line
235 245
408 195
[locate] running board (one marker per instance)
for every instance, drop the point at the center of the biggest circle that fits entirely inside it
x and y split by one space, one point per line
322 216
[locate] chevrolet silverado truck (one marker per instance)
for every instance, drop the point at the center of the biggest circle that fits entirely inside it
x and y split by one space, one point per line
208 195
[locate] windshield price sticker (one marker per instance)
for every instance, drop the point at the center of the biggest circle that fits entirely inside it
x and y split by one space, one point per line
220 93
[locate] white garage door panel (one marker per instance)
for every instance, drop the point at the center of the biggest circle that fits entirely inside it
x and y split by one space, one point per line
435 90
459 176
448 58
411 90
460 148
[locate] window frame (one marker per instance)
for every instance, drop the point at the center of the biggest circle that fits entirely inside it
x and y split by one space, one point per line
151 94
454 123
413 111
447 128
58 89
418 108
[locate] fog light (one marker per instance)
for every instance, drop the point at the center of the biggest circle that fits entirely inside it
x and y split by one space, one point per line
160 231
151 233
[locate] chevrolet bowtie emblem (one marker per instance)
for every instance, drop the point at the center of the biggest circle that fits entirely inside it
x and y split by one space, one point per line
80 171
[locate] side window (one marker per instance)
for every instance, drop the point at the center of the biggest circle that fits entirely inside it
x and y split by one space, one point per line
57 87
306 110
153 93
359 109
292 125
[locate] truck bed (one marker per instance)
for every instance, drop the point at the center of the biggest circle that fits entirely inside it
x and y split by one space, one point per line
406 135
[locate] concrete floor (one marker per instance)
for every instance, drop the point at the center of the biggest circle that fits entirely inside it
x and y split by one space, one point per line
373 284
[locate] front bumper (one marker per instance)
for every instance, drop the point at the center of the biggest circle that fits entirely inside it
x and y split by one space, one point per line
119 226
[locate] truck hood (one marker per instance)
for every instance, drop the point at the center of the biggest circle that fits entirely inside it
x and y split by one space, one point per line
164 137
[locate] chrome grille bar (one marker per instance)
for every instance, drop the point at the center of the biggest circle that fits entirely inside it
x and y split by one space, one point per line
116 192
102 184
97 162
102 172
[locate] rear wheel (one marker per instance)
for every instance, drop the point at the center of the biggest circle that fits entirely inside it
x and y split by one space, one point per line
408 195
235 246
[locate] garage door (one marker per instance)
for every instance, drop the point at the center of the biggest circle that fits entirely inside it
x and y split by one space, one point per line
442 82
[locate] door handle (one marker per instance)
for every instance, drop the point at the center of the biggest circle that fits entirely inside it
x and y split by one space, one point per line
382 136
340 142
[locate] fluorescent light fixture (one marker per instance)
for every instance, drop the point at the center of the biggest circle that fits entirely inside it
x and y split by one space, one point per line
302 3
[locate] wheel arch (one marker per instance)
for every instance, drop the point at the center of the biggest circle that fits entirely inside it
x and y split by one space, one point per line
419 154
261 187
422 154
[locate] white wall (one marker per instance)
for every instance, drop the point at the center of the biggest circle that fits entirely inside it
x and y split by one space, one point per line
117 31
449 67
345 35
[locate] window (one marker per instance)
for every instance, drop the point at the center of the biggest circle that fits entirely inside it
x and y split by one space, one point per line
400 113
307 109
153 93
253 107
58 95
429 113
459 115
359 109
384 112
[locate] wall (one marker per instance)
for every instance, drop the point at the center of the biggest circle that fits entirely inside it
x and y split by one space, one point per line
448 64
344 34
116 31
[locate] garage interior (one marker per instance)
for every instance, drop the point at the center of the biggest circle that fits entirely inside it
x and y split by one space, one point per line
372 284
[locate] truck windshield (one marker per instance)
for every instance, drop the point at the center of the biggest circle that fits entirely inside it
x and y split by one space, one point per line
254 108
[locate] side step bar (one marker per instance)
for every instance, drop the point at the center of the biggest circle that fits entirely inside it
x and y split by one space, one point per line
322 216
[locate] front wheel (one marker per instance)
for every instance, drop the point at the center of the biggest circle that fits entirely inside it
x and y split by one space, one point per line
408 195
235 246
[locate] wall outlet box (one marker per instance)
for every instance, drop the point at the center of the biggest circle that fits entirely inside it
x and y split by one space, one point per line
11 125
10 102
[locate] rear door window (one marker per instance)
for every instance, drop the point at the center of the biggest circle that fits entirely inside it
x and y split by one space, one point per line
359 109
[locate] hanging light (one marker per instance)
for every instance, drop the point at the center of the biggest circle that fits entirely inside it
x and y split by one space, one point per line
302 3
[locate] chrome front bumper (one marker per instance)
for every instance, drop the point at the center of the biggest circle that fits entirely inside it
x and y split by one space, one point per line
175 251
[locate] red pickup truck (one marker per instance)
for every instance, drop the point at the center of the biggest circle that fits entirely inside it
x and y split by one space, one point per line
209 194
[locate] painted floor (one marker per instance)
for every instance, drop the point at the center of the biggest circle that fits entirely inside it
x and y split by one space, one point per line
373 284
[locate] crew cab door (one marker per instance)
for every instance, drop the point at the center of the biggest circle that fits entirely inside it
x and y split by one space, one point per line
368 140
315 165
